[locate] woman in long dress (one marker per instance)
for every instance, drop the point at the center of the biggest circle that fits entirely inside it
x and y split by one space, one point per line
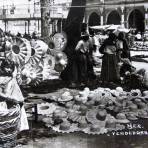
9 88
109 70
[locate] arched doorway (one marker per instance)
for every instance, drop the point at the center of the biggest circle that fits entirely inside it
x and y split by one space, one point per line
114 18
94 19
136 20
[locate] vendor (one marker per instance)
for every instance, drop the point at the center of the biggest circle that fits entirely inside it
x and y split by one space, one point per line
131 77
10 89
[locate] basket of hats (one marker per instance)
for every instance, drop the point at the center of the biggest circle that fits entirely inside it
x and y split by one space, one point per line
9 123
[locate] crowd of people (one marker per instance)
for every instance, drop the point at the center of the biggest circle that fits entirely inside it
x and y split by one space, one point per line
116 61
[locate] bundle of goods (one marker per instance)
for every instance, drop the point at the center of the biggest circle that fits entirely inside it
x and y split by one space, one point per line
97 112
139 45
9 124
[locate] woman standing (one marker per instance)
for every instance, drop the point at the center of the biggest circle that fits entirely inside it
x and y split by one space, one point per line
109 70
122 46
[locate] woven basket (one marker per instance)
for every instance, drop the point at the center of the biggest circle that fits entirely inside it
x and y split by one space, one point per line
9 124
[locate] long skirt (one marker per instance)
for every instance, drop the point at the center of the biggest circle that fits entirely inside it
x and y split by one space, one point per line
76 70
109 70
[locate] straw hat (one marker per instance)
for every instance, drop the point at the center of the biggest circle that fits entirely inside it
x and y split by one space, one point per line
131 116
83 123
142 105
121 118
48 120
91 118
66 96
112 125
64 127
119 89
94 128
101 115
145 93
135 93
133 108
60 113
143 114
83 34
46 108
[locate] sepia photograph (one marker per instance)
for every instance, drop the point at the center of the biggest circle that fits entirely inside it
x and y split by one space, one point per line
74 74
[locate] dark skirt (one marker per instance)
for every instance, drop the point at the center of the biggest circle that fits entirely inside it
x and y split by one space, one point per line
109 70
76 70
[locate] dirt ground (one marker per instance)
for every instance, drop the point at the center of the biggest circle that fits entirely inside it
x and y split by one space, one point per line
41 137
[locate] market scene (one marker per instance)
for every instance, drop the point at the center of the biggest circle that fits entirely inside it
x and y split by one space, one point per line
74 74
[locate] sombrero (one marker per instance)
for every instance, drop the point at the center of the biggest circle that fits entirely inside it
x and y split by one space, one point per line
145 93
66 96
135 93
36 52
121 118
32 74
94 130
64 127
18 50
142 114
131 116
112 125
91 118
60 41
46 108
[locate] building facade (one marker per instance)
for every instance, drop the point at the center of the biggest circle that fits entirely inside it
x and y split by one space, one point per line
25 16
128 13
20 16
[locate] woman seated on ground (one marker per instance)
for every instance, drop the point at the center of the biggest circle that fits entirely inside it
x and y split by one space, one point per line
10 90
131 77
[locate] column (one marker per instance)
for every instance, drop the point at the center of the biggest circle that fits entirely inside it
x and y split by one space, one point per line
146 21
101 19
122 17
28 26
146 16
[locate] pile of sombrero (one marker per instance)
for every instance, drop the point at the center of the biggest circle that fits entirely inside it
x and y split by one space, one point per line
99 111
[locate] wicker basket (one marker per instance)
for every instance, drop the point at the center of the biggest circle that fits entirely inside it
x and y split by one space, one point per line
9 124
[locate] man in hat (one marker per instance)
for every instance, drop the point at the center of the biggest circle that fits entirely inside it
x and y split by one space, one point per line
82 50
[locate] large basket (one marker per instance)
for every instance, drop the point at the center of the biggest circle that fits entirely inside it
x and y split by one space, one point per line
9 125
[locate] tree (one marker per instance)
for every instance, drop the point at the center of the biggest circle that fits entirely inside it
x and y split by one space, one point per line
72 27
45 17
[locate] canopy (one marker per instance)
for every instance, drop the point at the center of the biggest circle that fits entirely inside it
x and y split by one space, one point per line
100 27
113 27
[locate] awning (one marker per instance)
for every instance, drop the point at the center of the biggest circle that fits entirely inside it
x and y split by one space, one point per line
100 27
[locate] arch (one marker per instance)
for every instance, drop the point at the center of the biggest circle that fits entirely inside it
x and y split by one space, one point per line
136 20
114 18
94 19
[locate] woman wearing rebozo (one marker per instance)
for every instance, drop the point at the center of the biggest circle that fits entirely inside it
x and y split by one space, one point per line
109 70
10 91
